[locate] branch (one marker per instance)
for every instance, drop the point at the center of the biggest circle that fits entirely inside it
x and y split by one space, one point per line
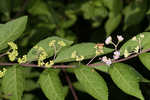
73 66
70 85
123 59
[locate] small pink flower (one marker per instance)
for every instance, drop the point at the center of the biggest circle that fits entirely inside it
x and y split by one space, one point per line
108 40
116 55
120 38
104 59
107 60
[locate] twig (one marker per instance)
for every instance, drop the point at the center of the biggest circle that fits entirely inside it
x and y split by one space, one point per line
3 55
123 59
34 65
73 66
70 85
91 60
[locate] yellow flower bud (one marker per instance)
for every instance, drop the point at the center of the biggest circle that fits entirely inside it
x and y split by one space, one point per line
22 60
79 58
126 53
12 45
62 43
74 54
12 55
2 73
49 64
52 43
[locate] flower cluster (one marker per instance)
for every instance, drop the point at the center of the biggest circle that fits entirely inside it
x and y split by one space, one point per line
60 43
23 59
139 41
138 48
52 43
2 73
106 60
77 57
109 40
116 54
42 56
13 53
99 48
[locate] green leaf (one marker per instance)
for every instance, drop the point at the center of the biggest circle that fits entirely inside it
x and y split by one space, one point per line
65 90
148 28
127 79
130 45
103 68
134 9
78 86
51 85
33 53
71 19
112 23
30 85
92 82
114 5
13 82
93 9
28 97
39 8
83 49
11 31
31 74
144 58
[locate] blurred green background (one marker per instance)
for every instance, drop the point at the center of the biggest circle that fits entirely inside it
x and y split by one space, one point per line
80 21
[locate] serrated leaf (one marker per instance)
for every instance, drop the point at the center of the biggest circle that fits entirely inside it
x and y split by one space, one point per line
11 31
134 9
130 45
92 82
127 79
112 22
13 82
33 53
83 49
51 85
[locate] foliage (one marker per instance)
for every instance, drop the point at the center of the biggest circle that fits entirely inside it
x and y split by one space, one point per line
56 46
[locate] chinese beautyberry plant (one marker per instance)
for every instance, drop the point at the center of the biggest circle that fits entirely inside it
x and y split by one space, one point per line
71 50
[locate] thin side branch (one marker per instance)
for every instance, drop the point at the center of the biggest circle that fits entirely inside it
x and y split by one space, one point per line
3 55
70 85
